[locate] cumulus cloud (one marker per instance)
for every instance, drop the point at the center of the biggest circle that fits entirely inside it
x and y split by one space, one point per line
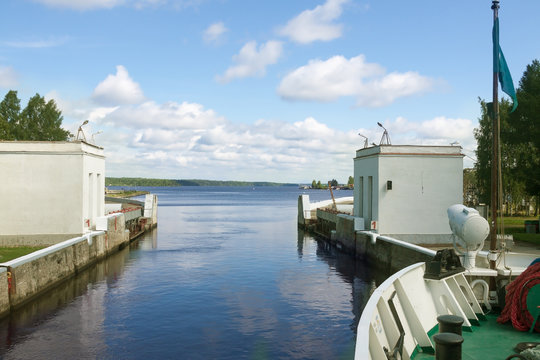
189 140
315 25
118 89
338 76
82 4
8 77
440 130
252 61
214 32
167 116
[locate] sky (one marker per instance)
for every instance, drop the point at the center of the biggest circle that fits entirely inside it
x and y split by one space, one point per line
260 90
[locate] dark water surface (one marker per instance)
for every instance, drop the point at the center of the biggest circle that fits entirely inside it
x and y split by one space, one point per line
226 275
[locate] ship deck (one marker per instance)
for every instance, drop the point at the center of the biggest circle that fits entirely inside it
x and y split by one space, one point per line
490 340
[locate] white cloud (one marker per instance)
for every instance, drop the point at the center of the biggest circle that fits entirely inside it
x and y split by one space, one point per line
315 25
214 32
437 131
187 140
251 61
118 89
82 4
168 116
386 90
37 44
8 77
336 77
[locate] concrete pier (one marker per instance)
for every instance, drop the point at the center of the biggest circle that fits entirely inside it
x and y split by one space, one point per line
347 233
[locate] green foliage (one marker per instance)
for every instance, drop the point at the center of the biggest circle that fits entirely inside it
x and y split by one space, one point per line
126 181
470 192
350 181
512 185
334 182
38 121
10 109
520 144
525 122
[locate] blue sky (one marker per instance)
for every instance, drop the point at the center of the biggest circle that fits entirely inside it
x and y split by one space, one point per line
260 90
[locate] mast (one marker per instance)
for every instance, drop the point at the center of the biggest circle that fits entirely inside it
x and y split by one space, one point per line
495 141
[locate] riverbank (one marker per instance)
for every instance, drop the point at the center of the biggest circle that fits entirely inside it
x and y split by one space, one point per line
124 194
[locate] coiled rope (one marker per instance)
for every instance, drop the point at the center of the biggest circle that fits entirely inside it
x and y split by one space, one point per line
515 308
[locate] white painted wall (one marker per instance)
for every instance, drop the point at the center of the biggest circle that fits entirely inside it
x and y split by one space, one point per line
426 180
45 187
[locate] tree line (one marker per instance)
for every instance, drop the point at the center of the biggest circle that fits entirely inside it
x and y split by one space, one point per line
131 181
40 120
520 146
318 185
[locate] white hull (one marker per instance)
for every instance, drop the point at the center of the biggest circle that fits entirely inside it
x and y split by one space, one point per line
417 302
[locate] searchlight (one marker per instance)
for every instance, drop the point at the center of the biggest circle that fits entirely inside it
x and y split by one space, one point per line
471 229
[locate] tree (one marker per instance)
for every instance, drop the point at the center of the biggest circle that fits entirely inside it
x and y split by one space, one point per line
350 182
10 109
525 122
512 184
470 193
42 121
39 121
334 182
313 184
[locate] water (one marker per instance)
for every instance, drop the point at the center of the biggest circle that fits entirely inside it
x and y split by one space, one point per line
226 275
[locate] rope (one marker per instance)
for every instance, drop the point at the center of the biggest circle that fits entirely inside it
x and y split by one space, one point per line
515 309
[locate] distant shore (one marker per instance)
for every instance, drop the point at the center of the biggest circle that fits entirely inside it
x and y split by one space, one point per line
125 181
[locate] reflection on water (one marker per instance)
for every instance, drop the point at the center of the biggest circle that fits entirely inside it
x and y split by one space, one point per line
222 277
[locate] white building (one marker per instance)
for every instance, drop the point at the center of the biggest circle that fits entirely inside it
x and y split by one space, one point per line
404 191
50 191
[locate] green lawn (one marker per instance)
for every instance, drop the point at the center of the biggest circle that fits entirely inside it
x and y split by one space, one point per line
10 253
515 225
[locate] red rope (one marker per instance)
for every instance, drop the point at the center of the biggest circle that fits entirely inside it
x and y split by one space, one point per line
515 308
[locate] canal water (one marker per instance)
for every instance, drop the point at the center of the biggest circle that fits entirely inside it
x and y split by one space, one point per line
226 275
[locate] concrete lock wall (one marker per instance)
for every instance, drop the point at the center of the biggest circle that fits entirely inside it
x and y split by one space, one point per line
33 274
4 295
392 256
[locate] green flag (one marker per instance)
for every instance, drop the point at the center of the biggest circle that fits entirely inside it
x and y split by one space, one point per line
501 68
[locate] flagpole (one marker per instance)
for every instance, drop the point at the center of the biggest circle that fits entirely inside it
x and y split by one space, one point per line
495 136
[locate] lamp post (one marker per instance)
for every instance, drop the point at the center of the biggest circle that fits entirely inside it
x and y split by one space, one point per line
384 136
366 141
94 134
81 132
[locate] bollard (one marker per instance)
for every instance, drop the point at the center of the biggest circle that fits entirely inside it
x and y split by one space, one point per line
447 346
450 324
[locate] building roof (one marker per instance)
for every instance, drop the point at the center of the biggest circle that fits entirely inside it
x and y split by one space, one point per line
77 147
409 150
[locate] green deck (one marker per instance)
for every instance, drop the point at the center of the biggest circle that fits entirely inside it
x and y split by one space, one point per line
490 340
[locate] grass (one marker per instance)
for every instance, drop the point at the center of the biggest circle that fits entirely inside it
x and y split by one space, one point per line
515 225
126 193
10 253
